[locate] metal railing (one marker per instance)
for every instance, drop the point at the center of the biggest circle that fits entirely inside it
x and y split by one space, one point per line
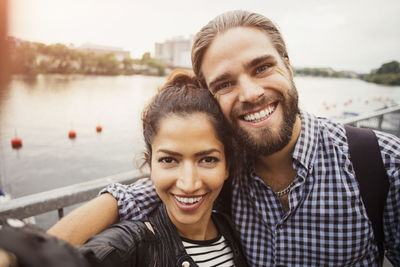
60 198
386 120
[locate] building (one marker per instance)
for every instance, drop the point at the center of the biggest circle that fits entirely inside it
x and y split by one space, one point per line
175 52
119 53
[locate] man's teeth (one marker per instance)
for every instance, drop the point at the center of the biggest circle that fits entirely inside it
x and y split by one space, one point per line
188 200
259 116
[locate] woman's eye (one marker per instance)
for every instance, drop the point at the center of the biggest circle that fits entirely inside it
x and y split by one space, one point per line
167 160
209 160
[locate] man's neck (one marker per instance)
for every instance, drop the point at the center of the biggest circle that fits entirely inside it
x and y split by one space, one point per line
276 170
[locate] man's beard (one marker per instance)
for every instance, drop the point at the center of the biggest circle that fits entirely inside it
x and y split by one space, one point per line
268 142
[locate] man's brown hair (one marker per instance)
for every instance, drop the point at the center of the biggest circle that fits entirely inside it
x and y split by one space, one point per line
229 20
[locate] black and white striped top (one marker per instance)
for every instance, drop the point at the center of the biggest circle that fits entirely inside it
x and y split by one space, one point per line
214 252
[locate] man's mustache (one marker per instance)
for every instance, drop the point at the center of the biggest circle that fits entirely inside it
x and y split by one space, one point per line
247 107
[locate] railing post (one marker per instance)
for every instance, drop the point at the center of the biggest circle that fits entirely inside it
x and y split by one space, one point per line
380 120
60 213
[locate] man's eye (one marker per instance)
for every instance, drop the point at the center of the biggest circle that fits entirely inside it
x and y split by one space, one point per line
261 69
223 88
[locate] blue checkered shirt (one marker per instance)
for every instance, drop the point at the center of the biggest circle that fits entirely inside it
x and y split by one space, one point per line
326 224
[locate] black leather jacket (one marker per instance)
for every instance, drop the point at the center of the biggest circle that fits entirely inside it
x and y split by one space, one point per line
131 243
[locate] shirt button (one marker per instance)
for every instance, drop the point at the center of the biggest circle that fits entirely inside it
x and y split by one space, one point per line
185 264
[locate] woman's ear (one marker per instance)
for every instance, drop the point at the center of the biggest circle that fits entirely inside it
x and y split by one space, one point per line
227 171
147 158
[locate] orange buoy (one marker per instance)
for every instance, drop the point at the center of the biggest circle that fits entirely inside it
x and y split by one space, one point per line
99 128
16 143
71 134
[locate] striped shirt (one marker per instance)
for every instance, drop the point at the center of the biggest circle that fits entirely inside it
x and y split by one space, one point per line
326 224
208 253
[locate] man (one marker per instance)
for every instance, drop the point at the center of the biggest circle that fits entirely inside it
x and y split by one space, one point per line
298 203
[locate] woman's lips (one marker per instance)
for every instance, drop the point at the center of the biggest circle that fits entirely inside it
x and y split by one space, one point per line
187 204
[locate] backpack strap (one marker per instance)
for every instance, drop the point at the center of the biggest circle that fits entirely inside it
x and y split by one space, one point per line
371 176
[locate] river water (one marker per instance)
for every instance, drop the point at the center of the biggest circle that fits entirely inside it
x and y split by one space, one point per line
43 109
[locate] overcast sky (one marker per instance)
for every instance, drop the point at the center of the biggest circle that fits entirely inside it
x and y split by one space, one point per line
354 35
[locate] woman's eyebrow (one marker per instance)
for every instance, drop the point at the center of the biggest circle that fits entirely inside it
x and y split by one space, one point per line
166 151
207 152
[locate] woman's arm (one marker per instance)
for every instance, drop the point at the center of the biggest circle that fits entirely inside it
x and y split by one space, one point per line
87 220
134 201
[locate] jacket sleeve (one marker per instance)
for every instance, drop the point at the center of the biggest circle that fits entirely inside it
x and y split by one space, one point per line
118 245
390 151
135 201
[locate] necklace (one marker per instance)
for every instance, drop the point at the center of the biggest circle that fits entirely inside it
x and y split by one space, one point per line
284 191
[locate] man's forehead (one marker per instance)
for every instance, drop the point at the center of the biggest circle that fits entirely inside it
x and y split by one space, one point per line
234 48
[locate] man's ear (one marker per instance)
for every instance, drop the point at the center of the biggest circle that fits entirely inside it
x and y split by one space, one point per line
287 60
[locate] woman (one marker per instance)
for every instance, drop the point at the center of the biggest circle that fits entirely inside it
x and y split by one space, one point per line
188 151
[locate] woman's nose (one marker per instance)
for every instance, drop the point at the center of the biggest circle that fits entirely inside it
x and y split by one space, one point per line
188 180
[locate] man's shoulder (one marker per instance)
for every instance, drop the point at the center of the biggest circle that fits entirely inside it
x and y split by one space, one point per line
327 130
389 145
388 141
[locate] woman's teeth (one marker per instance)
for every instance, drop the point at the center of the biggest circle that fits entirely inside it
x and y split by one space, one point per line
188 200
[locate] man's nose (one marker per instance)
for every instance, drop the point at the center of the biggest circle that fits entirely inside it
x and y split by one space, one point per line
188 180
249 90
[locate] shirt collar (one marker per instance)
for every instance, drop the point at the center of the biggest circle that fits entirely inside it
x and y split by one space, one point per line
306 146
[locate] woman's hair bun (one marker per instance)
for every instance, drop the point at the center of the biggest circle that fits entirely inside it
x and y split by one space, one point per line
181 78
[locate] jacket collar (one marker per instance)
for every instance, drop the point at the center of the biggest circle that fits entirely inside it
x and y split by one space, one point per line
171 246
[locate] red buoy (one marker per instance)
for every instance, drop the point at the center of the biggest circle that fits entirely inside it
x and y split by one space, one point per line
99 128
72 134
16 143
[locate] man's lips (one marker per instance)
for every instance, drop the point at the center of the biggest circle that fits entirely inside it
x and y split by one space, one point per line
260 114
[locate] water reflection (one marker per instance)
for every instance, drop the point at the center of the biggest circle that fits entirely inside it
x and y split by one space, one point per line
43 109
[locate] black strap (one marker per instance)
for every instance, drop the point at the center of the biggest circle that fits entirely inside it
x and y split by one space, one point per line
224 201
371 176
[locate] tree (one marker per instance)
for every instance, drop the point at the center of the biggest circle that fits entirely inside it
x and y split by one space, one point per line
390 67
107 64
128 65
388 73
24 59
145 58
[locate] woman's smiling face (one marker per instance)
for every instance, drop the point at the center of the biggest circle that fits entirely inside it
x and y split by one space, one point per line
188 168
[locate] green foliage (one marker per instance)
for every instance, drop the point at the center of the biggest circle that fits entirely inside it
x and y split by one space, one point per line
391 67
153 64
388 74
33 57
24 59
324 72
